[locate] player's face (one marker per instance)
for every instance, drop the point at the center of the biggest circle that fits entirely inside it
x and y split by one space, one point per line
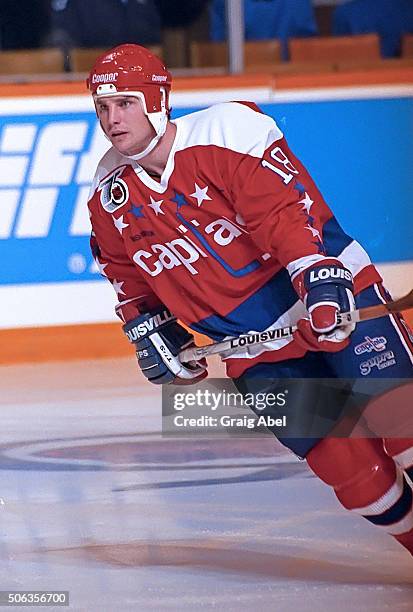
125 123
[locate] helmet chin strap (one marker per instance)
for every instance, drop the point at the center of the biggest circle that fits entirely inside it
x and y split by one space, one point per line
160 129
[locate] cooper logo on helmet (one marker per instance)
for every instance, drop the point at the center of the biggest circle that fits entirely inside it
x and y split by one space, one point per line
158 78
105 78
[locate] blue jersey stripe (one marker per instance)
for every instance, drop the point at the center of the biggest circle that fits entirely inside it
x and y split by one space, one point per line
335 239
251 267
258 312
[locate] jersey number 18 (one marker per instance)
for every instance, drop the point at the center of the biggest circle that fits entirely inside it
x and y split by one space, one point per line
280 157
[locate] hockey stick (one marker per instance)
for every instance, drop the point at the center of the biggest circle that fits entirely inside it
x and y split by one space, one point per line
355 316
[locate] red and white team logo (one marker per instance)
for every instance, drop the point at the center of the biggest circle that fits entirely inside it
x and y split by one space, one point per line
114 192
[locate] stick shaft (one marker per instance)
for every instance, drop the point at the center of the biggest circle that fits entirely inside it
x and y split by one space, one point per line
355 316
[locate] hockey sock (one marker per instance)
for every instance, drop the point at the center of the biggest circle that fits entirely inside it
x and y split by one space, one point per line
368 482
401 450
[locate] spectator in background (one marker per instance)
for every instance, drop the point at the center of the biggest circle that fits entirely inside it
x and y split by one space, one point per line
177 17
179 13
388 18
105 23
24 24
266 19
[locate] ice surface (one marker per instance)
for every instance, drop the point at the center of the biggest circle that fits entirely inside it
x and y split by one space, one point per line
93 500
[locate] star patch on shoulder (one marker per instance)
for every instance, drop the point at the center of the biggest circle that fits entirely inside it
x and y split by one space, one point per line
179 200
200 194
136 211
156 206
300 188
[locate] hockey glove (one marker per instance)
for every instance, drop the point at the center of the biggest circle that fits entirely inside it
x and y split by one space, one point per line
159 339
326 289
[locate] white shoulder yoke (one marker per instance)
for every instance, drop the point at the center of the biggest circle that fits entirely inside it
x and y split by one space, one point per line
231 125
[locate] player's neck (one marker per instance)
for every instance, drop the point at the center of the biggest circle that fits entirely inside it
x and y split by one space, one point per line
154 163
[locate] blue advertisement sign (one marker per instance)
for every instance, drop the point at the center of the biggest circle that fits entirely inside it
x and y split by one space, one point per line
360 153
46 166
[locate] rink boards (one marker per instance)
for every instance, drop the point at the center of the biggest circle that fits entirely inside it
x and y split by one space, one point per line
356 141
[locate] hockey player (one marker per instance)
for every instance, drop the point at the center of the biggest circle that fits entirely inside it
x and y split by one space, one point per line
212 220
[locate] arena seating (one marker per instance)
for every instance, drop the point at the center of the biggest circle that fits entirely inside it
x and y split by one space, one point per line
259 53
31 61
314 54
364 47
407 45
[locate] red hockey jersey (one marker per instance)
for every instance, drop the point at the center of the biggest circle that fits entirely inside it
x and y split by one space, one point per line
218 238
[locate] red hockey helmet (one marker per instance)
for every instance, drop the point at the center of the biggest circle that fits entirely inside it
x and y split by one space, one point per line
134 71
